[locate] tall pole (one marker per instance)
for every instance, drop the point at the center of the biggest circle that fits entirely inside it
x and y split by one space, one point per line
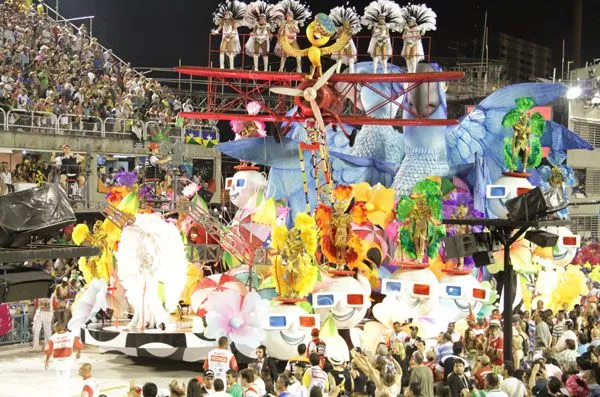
562 64
483 44
577 31
507 315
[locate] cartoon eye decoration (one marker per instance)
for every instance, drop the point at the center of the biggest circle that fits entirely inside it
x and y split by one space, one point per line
398 287
283 321
503 191
327 300
453 291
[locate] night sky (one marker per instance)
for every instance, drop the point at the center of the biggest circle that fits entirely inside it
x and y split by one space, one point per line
159 33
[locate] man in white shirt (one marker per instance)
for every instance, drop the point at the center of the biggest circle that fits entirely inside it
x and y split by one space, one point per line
90 385
491 385
568 333
220 389
5 175
220 360
512 386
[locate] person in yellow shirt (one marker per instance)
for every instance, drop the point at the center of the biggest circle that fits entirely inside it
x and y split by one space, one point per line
300 359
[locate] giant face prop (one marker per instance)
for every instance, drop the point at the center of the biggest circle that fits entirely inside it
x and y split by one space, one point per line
565 249
243 185
346 299
416 292
504 189
458 293
287 326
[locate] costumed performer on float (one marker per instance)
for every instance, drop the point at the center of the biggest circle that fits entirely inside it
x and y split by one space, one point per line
69 164
290 15
249 129
260 17
418 19
340 15
382 17
228 18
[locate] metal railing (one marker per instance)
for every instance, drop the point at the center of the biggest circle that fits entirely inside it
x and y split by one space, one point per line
26 121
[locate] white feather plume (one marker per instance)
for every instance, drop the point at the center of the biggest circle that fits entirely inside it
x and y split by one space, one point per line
387 9
423 15
300 11
257 8
235 7
341 14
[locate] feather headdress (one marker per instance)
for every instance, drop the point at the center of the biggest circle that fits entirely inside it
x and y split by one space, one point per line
258 9
423 16
389 10
341 14
235 8
300 11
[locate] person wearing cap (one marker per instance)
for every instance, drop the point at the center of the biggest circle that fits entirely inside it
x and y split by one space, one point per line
69 164
316 345
482 367
495 343
220 360
411 344
208 380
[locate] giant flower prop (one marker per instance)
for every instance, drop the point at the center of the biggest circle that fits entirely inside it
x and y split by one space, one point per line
339 244
557 175
420 215
379 202
235 316
293 264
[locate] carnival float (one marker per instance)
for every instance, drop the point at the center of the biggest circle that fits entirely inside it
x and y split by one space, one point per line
343 221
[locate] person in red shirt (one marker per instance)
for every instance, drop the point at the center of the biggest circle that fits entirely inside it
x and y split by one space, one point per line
495 343
60 348
316 345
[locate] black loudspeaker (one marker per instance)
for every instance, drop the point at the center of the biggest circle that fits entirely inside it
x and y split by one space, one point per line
21 283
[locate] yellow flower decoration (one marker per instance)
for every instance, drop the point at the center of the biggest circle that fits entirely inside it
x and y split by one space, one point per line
379 202
309 238
80 233
303 220
278 237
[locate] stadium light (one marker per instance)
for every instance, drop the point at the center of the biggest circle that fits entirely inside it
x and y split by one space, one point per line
574 92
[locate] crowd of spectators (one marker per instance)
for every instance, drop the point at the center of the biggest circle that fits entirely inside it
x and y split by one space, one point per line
49 66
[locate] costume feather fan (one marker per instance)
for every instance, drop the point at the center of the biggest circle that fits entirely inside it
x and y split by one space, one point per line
423 16
259 8
339 15
300 11
387 9
236 8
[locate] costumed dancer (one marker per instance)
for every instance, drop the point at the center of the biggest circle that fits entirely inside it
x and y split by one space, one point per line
42 318
260 17
249 129
418 19
290 16
228 17
382 17
340 15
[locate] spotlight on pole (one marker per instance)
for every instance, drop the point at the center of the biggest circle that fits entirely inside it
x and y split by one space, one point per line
541 238
574 92
478 245
535 204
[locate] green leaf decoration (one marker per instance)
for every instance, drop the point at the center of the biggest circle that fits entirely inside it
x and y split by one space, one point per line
328 328
447 186
268 282
427 187
306 306
536 155
538 124
524 104
179 121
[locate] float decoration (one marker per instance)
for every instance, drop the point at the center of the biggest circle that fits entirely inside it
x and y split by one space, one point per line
459 205
260 17
418 19
318 33
249 129
420 214
238 317
228 18
339 244
339 16
382 17
290 15
293 261
524 147
558 175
